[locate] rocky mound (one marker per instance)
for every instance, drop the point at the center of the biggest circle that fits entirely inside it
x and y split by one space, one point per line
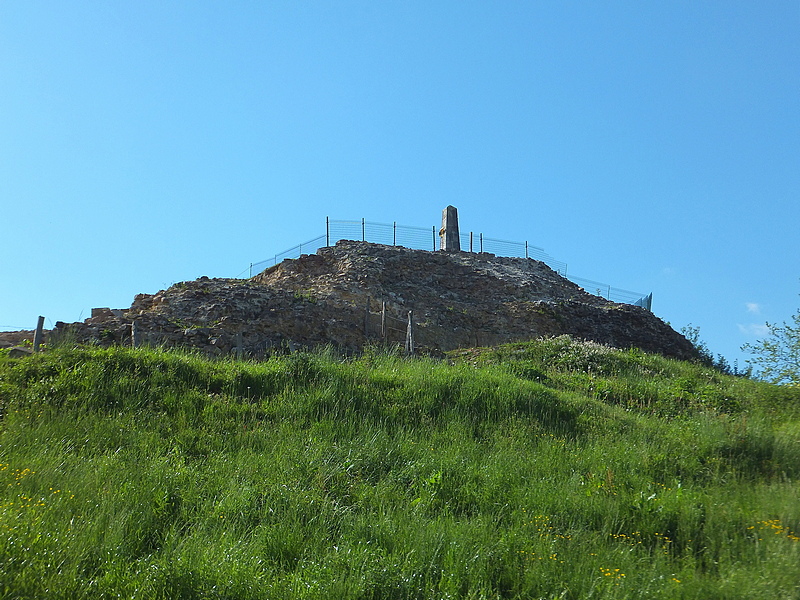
358 293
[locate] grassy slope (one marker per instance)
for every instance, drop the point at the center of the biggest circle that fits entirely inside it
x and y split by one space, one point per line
546 470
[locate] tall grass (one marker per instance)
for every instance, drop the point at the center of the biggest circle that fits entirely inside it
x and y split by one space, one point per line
554 469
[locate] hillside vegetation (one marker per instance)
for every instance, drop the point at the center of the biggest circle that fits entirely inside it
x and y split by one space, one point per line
552 469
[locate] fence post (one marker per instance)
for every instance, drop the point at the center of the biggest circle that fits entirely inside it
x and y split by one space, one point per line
410 334
470 241
481 238
434 237
366 319
37 335
327 231
394 233
363 230
383 320
526 248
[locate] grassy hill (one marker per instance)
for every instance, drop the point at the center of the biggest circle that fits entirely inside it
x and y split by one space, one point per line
554 469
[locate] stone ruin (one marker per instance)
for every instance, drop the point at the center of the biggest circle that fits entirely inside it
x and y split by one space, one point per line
357 294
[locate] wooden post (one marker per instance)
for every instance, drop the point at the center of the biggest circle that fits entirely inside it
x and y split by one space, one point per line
37 335
366 319
134 335
410 334
383 320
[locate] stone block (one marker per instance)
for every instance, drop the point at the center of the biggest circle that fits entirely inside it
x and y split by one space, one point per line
449 240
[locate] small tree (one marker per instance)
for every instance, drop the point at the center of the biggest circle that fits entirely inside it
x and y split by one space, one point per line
692 333
706 357
777 358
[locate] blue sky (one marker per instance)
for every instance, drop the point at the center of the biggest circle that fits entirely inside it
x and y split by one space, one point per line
654 146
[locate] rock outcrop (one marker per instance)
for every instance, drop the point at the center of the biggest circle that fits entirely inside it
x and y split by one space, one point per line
342 294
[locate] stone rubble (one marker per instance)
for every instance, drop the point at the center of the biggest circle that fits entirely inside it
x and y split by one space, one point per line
458 299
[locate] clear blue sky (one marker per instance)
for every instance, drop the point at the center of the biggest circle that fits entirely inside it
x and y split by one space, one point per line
651 145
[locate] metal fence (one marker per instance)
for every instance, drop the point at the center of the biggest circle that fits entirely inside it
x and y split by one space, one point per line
418 238
612 293
422 238
309 247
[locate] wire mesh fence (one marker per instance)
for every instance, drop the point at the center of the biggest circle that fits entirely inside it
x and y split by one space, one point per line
612 293
479 243
309 247
391 234
423 238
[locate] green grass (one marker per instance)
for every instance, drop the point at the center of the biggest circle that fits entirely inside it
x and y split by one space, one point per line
554 469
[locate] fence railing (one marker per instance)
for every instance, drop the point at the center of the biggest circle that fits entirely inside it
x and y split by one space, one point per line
612 293
422 238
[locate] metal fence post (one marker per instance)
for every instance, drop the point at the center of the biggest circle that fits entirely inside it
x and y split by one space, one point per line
480 235
394 233
470 241
327 232
363 231
434 237
526 248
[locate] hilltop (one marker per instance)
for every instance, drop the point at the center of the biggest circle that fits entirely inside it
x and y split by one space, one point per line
337 297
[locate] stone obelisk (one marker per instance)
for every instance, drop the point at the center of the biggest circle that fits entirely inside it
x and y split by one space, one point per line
449 240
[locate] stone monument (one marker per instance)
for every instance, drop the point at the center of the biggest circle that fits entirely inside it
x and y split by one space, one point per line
449 240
